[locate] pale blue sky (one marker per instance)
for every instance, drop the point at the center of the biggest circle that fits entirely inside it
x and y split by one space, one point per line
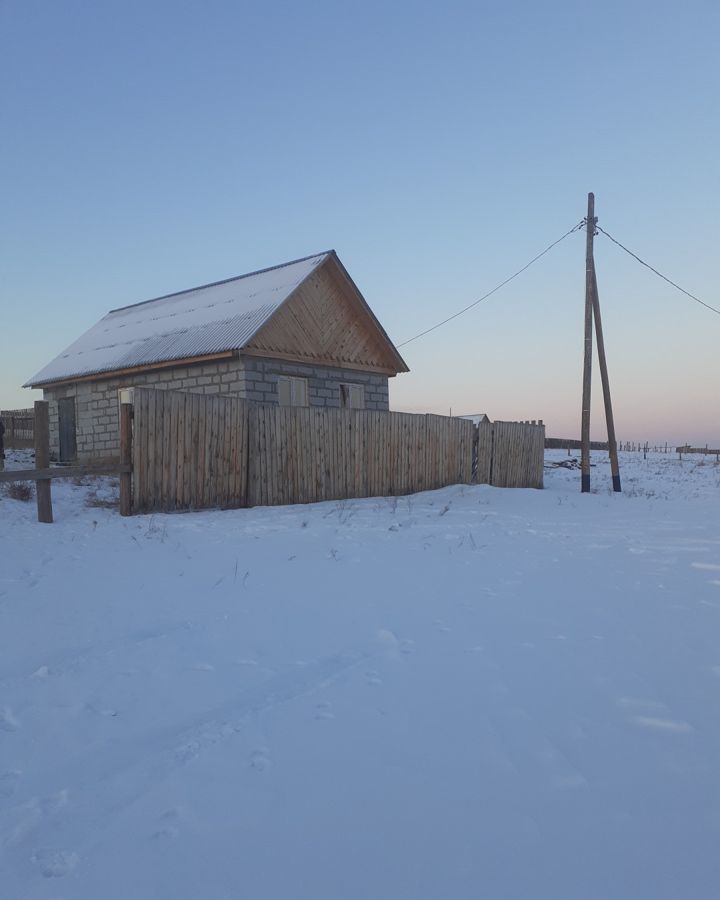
150 146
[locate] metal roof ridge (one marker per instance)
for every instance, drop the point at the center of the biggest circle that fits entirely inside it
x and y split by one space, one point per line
201 287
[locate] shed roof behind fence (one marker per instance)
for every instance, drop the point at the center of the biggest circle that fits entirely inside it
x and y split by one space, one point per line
209 319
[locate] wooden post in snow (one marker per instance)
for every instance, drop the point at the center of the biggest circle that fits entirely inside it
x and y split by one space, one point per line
42 460
125 458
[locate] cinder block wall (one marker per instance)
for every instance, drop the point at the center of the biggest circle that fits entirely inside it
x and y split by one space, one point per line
261 377
97 409
97 406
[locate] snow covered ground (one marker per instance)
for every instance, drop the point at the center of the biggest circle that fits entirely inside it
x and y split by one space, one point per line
468 693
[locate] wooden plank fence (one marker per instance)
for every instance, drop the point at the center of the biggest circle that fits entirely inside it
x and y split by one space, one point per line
307 454
193 451
183 451
19 428
705 451
189 451
518 455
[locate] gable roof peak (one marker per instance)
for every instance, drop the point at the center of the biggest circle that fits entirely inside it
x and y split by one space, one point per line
320 257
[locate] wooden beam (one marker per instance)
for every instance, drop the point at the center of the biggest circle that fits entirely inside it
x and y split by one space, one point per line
46 474
314 361
609 418
42 459
126 459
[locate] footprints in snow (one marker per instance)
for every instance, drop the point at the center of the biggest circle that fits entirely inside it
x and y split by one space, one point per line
55 863
8 783
391 641
8 722
260 759
169 825
323 710
30 815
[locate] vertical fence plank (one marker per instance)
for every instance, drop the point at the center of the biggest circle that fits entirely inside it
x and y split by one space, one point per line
152 453
141 444
194 450
233 438
171 450
244 451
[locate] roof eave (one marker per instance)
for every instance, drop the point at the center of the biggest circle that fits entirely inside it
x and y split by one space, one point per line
103 374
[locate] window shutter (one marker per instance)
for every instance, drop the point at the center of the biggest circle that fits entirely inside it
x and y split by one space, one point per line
284 392
357 396
352 396
300 394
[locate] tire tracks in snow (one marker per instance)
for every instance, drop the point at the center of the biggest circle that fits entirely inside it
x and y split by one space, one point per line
108 783
68 660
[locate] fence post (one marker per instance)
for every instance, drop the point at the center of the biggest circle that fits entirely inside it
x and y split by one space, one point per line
42 460
475 465
125 458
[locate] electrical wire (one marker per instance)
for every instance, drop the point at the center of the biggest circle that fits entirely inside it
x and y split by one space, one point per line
497 288
659 274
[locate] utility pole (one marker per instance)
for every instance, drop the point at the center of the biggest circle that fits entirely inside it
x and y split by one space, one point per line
612 442
587 361
592 309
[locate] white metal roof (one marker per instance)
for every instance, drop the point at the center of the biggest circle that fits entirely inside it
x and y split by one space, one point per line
477 418
204 320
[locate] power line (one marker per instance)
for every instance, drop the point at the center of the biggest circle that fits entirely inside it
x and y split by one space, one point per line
497 288
659 274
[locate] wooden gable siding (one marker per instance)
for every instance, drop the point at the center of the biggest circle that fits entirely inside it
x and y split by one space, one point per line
324 323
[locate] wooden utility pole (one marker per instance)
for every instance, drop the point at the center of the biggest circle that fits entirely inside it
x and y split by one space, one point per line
592 309
612 442
587 361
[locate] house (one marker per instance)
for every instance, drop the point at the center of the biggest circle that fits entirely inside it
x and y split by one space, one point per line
297 334
477 418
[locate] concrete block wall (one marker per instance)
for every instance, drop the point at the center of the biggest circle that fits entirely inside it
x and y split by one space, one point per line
261 377
97 406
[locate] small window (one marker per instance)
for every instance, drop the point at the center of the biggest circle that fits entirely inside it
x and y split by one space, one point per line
352 396
292 391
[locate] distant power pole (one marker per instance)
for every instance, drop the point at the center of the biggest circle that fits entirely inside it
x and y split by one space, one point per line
590 223
592 308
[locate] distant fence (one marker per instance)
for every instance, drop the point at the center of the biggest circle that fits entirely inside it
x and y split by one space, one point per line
19 428
572 444
704 450
630 446
193 451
